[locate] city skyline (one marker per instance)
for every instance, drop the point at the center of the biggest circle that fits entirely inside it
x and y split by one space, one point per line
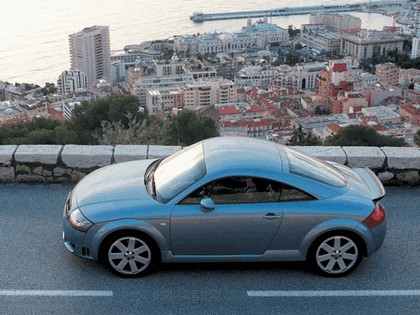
34 43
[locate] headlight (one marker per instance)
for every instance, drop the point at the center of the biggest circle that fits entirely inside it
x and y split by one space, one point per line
77 220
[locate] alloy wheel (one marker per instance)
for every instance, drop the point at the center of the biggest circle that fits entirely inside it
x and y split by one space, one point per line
129 256
337 255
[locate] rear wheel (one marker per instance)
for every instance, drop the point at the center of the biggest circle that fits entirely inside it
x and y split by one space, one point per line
335 255
129 255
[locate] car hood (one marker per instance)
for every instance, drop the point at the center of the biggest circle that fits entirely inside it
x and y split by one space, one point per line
122 181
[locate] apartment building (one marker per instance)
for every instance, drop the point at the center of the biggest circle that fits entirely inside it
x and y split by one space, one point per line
163 100
388 73
375 94
410 112
347 102
90 52
336 22
209 91
335 79
409 76
144 84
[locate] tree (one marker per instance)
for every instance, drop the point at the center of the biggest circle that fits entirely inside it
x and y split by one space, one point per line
187 128
87 119
322 111
356 135
149 130
417 138
49 88
37 131
64 135
292 57
304 138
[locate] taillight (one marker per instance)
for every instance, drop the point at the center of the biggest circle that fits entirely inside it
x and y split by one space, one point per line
376 217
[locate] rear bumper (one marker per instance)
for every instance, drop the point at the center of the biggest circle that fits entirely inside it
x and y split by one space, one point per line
378 237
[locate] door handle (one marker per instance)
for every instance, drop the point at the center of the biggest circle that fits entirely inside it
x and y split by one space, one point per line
271 216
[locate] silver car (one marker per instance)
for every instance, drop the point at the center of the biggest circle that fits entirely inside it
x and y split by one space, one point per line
226 199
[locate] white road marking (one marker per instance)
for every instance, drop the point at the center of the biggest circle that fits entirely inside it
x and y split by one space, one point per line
339 293
56 293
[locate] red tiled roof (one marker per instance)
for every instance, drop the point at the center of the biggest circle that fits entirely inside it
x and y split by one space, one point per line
258 123
230 124
255 108
229 110
415 93
410 108
334 127
340 67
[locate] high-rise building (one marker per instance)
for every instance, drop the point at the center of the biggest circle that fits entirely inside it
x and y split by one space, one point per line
415 51
90 52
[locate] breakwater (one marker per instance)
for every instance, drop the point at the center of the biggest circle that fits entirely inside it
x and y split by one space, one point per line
330 8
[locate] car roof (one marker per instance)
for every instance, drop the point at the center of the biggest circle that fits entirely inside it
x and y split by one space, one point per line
227 154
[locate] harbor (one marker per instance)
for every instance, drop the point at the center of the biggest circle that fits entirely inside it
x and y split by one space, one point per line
333 8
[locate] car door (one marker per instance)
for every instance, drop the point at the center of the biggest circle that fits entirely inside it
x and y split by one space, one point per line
243 221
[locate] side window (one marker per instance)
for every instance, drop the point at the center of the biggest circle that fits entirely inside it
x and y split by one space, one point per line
245 190
195 197
231 190
290 193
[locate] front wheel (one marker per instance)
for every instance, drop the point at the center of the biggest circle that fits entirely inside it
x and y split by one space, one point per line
129 256
335 255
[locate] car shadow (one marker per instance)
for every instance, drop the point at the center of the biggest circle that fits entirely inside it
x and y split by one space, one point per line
233 267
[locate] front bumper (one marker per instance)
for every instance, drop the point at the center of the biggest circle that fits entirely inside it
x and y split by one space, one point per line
74 240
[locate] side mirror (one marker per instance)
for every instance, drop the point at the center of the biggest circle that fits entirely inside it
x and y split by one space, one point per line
207 204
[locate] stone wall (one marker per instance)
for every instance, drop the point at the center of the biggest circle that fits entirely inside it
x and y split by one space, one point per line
69 163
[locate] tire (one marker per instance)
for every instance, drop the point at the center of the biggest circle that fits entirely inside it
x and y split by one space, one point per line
335 255
129 255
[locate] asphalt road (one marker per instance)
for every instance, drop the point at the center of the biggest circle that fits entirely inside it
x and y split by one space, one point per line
39 276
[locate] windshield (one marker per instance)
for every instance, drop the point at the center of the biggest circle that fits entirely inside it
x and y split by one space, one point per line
303 165
179 171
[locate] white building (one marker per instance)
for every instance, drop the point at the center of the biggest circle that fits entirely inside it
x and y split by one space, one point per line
315 36
70 81
384 115
253 36
367 43
90 52
300 77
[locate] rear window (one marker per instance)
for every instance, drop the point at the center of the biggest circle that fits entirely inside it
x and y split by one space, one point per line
312 168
